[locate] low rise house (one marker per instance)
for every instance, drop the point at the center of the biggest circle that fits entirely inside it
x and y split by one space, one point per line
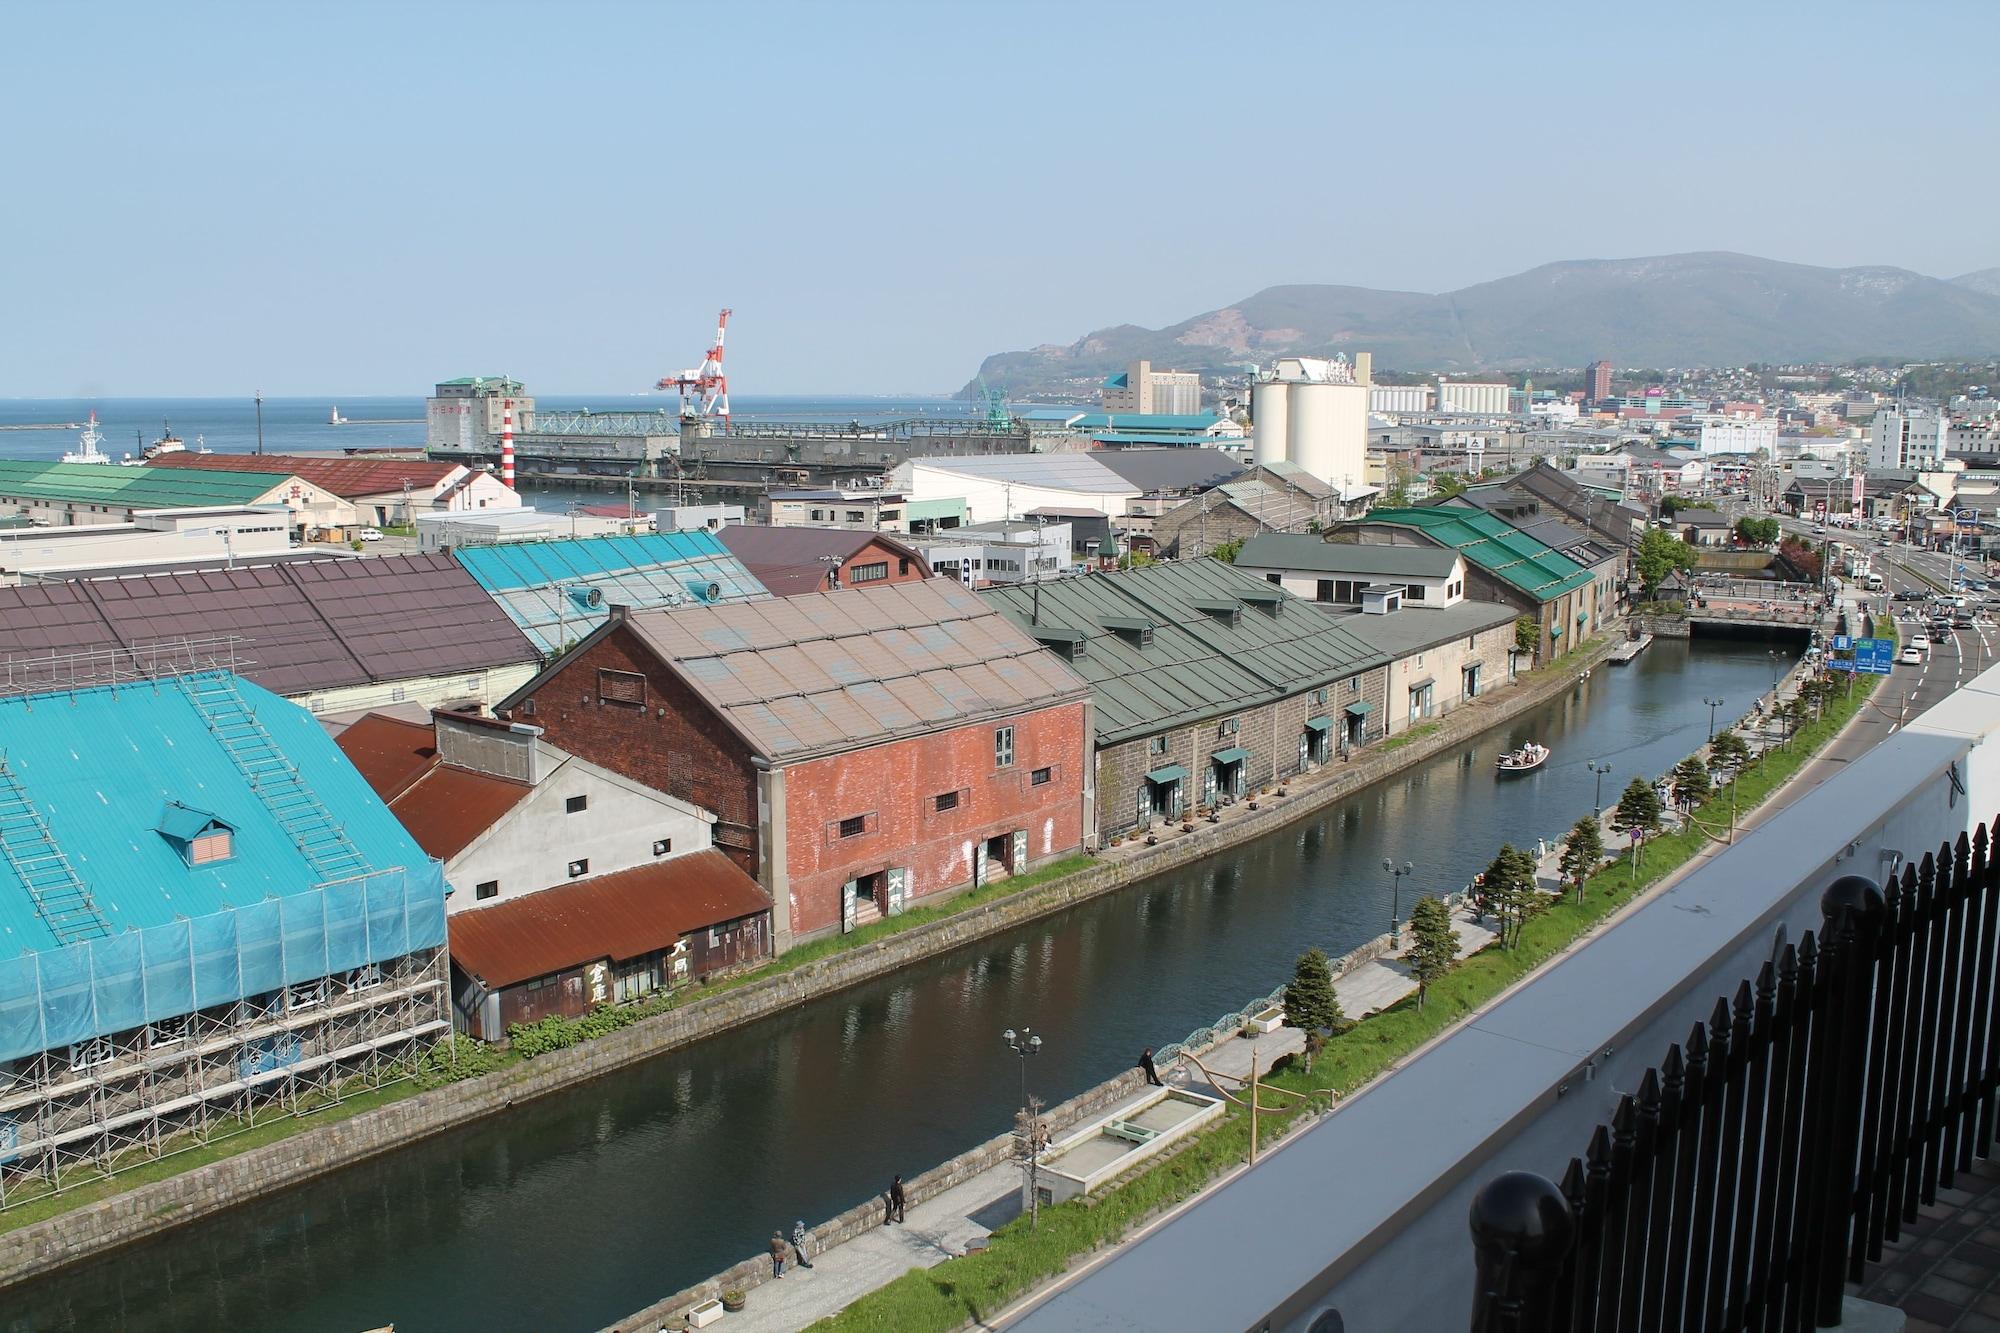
861 508
794 560
1703 527
572 885
382 490
206 911
862 749
333 635
1209 682
1503 564
982 555
1336 573
63 495
559 591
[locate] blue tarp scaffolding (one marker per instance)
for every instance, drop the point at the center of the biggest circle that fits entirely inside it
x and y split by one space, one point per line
99 987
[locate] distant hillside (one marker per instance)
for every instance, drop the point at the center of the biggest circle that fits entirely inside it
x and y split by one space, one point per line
1708 309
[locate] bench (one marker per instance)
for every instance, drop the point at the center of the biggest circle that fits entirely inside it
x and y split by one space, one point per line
1131 1133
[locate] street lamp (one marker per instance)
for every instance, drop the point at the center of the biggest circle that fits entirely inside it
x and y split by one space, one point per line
1024 1044
1599 767
1396 873
1713 704
1774 669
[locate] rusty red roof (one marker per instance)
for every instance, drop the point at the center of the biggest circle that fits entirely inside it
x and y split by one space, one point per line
791 560
622 915
348 478
443 807
390 752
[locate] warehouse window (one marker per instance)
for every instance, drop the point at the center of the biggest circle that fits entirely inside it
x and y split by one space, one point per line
581 866
874 573
621 687
661 846
1156 746
1003 747
945 800
853 826
210 847
1041 777
576 805
488 888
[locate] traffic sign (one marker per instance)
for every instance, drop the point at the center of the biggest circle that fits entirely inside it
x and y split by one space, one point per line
1872 657
1843 643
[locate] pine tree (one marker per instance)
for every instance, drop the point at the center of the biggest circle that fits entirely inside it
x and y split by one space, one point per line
1433 944
1638 808
1509 886
1729 752
1691 783
1310 1002
1583 849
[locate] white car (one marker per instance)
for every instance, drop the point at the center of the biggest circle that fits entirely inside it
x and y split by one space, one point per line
370 534
1919 643
1910 656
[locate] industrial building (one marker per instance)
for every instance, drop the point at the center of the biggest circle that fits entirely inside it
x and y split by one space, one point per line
456 529
1315 413
1104 482
1020 550
1140 388
572 885
62 495
333 635
863 750
223 534
207 911
1209 683
558 592
382 490
1462 398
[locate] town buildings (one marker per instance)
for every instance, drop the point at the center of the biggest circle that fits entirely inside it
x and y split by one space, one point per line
1463 398
1209 683
861 749
1336 573
1140 388
1597 381
152 538
333 635
61 495
1021 550
206 910
1908 437
572 886
1739 435
382 491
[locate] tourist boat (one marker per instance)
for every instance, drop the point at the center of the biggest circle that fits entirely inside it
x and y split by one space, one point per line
87 450
1524 760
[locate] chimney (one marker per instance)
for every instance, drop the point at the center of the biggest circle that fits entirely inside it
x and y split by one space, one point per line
509 750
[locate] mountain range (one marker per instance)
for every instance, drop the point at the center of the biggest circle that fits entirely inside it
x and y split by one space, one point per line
1706 309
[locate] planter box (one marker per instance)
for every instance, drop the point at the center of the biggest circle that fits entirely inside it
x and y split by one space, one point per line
708 1312
1268 1020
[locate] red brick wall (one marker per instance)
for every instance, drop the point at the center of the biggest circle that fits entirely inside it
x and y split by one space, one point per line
897 784
688 752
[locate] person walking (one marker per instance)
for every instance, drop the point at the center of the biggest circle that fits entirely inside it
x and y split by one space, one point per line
799 1239
777 1255
896 1198
1146 1063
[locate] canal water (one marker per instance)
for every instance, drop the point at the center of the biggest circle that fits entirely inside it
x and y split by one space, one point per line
576 1210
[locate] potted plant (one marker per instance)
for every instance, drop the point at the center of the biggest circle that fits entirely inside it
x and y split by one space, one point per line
732 1300
708 1312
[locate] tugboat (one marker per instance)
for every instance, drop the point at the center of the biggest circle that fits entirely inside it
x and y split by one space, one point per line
1524 760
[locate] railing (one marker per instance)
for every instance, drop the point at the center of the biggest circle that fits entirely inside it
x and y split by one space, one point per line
1767 1158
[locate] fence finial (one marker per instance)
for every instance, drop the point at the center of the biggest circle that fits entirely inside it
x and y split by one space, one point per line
1857 895
1522 1229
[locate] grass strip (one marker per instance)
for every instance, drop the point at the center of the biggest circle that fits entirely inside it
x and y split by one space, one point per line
978 1286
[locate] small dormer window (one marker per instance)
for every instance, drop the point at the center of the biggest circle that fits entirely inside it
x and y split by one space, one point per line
200 838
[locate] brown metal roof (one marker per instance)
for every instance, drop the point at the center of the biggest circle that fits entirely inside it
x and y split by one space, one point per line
349 478
789 561
830 671
623 915
302 626
390 752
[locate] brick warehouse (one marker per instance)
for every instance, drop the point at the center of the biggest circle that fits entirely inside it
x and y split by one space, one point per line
860 749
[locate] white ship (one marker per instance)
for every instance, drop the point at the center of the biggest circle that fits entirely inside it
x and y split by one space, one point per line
86 450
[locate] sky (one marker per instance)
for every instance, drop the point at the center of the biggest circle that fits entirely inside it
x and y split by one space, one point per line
313 198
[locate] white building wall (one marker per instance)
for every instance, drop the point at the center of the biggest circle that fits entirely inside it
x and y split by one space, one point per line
1739 437
1911 438
531 847
485 687
1473 399
1399 399
988 500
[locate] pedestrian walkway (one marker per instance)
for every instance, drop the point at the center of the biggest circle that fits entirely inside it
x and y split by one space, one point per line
941 1227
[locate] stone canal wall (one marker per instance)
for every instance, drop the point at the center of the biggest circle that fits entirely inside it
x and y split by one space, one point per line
133 1215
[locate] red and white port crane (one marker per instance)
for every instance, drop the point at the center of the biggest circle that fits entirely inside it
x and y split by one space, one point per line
708 386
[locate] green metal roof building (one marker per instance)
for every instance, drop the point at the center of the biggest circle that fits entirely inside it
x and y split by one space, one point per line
131 488
1495 546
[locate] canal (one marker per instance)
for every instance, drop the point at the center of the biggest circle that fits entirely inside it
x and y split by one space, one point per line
578 1209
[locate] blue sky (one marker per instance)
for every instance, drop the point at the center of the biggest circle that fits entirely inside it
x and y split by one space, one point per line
363 197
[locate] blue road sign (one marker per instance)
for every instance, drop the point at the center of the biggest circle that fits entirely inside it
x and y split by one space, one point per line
1843 643
1872 657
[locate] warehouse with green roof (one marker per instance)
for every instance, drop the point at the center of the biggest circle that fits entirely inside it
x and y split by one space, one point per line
1502 564
1210 683
65 495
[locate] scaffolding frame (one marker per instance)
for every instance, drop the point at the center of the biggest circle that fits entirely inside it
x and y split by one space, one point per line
91 1109
125 664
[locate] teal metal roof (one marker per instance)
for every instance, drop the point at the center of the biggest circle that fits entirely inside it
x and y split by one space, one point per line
105 768
1496 546
546 587
133 487
1196 666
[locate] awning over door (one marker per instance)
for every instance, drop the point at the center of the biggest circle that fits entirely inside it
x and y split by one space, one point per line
1230 756
1358 710
1317 724
1161 777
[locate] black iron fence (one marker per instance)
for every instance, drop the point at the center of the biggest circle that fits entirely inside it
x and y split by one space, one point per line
1771 1154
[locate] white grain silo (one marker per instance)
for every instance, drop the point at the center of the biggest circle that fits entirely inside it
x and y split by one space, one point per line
1314 405
1269 421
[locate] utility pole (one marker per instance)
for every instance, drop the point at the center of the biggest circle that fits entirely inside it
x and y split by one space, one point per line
260 421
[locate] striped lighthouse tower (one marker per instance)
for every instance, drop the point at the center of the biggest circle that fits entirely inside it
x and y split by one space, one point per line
507 443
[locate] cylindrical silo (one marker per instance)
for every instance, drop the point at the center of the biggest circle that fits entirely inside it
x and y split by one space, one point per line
1310 442
1270 422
